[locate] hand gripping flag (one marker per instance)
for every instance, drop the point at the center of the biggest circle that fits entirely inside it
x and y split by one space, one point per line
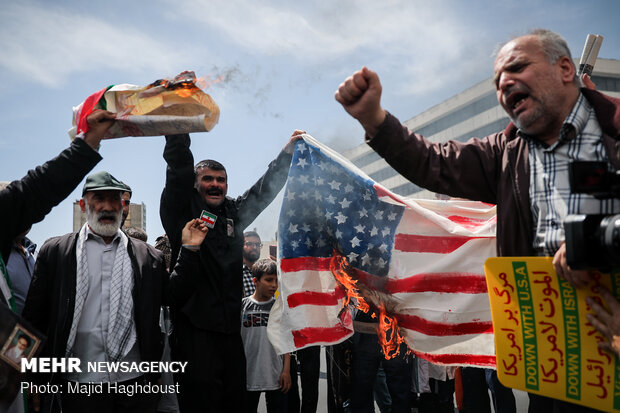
420 261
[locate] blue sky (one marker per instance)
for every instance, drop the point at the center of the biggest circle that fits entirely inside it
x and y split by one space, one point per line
281 60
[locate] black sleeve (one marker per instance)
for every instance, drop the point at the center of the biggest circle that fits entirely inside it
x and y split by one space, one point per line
27 201
176 195
260 195
182 283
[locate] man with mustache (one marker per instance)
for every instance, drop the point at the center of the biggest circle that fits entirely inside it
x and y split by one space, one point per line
207 326
96 294
523 169
251 254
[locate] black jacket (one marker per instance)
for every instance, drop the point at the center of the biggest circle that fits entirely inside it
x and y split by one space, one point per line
27 201
51 298
214 302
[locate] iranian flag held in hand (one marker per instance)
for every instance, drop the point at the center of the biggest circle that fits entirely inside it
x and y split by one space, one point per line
208 218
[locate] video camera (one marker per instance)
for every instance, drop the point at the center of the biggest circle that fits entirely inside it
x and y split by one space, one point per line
593 241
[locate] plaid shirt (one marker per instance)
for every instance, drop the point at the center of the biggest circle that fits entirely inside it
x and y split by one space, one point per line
550 195
248 284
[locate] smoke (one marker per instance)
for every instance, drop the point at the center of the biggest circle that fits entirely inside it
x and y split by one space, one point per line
253 88
228 76
342 137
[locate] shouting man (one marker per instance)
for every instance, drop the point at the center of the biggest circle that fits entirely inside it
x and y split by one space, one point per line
207 326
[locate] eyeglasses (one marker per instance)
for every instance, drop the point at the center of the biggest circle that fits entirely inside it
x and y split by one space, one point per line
253 244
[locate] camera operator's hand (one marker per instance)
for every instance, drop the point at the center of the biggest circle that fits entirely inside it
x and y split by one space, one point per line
577 278
608 324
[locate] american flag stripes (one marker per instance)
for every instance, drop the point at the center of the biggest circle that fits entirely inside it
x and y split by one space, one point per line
423 258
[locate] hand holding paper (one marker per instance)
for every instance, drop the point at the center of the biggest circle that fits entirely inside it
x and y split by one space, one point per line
164 107
99 121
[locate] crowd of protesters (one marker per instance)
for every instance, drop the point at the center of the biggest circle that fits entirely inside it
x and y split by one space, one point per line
104 294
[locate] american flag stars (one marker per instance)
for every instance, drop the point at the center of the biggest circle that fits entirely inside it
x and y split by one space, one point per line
326 206
330 204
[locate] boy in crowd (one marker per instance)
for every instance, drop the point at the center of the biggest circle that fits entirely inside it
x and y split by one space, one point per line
266 371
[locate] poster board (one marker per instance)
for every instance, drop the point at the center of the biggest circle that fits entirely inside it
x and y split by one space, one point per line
543 340
14 329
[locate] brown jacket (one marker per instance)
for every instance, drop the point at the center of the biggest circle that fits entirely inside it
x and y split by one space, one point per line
494 169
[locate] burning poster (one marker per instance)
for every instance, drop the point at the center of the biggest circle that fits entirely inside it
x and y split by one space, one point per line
162 108
344 239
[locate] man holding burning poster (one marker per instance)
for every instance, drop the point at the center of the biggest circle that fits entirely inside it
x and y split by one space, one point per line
207 326
26 201
523 169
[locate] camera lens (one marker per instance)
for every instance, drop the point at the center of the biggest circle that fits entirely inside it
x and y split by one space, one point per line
609 231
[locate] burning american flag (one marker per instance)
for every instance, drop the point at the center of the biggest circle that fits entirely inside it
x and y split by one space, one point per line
418 263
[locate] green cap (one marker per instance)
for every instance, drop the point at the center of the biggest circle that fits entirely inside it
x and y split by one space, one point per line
103 181
127 187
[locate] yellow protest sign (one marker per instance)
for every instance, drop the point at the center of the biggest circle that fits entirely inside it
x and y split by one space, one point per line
543 340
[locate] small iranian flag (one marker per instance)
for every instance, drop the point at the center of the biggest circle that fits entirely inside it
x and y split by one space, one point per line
208 218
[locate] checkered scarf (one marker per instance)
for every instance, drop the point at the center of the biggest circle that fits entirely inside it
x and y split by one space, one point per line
248 284
121 328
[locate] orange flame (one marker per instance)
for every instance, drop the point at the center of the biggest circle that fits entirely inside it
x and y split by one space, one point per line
186 89
182 86
206 83
340 268
387 323
388 331
185 84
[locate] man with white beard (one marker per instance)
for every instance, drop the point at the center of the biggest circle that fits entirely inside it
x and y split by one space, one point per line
96 294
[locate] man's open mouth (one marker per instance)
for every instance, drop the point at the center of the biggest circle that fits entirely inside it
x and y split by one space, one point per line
516 99
107 218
